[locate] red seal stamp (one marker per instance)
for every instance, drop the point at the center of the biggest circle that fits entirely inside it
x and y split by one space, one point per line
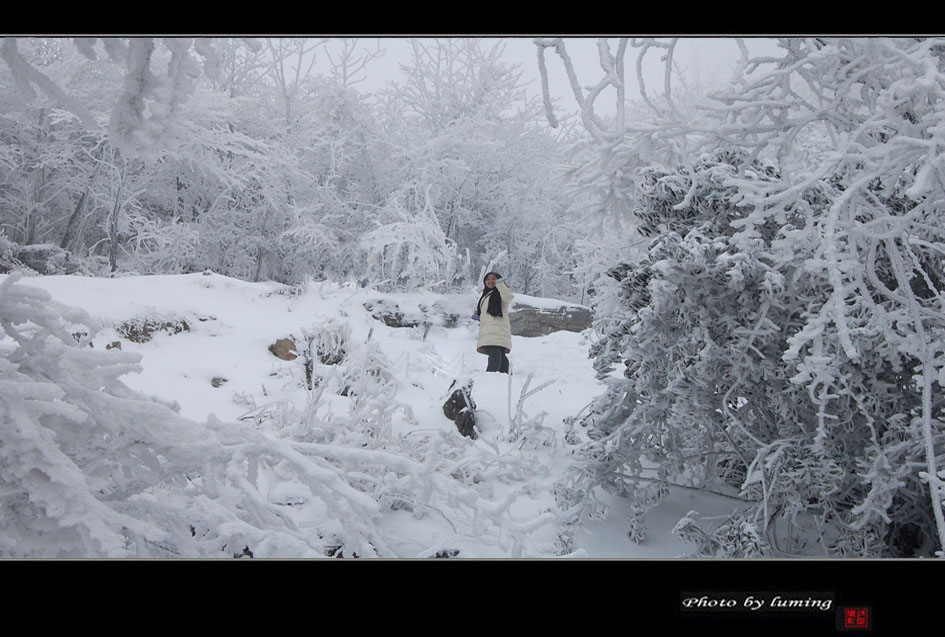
856 618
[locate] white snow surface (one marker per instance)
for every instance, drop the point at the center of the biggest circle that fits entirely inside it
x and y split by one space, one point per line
232 323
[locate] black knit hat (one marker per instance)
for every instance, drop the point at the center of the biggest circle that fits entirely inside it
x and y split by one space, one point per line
497 276
495 300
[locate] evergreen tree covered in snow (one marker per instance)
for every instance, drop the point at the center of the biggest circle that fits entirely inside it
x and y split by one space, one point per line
781 340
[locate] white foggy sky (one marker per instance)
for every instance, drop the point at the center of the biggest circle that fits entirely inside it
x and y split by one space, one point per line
709 60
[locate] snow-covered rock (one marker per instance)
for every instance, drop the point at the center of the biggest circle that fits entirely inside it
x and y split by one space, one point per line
530 316
528 320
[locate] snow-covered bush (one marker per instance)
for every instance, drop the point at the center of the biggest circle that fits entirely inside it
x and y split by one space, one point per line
411 249
77 445
783 334
713 396
162 248
8 260
430 473
91 468
736 537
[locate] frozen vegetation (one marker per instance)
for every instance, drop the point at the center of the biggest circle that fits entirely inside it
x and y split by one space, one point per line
763 257
200 442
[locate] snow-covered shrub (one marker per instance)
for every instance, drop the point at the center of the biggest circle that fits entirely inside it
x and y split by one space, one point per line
140 329
411 249
325 345
77 444
716 394
162 248
869 352
329 341
529 429
91 468
429 473
8 260
736 537
782 334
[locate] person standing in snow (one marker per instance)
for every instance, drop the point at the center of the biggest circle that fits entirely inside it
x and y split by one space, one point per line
495 331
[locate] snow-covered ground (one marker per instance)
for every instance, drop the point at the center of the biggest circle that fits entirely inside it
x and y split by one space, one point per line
221 365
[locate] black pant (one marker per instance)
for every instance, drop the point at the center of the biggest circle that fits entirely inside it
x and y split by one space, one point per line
498 361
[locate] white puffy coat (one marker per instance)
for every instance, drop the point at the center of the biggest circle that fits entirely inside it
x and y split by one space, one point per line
495 330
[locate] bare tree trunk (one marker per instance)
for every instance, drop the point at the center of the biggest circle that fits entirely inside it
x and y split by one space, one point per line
69 234
449 226
260 264
68 237
113 224
39 185
29 233
179 203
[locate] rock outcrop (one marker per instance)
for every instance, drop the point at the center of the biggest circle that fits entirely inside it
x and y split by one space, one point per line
527 320
538 318
46 258
391 315
284 348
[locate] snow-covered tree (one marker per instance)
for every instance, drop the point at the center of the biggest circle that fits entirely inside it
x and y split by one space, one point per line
234 155
411 250
782 335
462 127
77 444
49 154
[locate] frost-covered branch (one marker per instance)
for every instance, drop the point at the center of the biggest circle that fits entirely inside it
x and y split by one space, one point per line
811 204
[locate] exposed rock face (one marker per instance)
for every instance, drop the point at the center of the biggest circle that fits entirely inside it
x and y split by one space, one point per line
526 320
46 258
284 348
534 321
393 316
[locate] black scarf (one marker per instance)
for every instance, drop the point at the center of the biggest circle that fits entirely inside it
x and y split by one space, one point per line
495 302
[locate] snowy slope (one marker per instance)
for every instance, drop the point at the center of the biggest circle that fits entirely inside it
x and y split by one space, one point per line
231 323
